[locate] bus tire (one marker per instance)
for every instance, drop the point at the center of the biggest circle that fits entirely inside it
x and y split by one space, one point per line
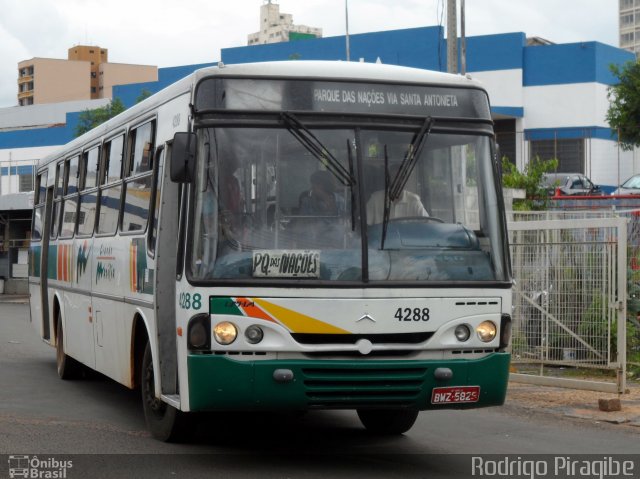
388 421
164 421
68 368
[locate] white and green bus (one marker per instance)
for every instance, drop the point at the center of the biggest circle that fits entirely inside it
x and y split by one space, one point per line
282 236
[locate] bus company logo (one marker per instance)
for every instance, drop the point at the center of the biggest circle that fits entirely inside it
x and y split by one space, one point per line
35 468
84 252
367 317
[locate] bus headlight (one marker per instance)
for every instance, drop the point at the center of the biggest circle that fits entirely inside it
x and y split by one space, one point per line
462 332
486 331
198 335
225 332
253 334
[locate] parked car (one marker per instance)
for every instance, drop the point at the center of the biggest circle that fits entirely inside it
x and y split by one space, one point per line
570 184
629 187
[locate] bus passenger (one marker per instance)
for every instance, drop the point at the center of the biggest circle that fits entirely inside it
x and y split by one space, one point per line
321 199
406 205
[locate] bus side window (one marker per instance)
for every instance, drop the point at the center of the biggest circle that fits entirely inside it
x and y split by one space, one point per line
88 200
137 197
112 160
87 213
109 209
89 168
155 198
73 175
137 191
111 186
57 201
39 200
70 200
69 213
141 149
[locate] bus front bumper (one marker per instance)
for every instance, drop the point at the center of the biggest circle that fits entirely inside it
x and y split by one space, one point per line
221 383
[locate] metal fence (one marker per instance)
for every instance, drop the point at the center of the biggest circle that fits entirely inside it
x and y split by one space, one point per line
570 293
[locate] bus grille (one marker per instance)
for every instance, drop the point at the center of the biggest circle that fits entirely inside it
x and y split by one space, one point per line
396 338
372 387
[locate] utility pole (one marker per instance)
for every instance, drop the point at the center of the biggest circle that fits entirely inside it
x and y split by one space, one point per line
452 37
463 40
346 21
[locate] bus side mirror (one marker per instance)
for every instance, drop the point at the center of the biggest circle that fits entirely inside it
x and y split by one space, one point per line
183 157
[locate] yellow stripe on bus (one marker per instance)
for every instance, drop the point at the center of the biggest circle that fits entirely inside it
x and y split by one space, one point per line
298 322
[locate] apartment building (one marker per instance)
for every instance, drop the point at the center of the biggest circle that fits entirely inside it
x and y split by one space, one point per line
86 74
629 25
278 27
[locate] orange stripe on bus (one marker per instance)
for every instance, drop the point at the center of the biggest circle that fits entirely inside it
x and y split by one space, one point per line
250 309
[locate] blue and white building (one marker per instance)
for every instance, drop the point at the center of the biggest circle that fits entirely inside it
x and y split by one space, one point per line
548 100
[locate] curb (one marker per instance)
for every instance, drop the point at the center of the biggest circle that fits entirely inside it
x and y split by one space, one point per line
14 298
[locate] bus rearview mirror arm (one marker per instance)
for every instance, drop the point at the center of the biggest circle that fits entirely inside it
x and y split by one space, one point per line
497 160
183 157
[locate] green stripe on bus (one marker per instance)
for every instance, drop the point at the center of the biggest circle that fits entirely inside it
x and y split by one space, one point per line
52 262
224 305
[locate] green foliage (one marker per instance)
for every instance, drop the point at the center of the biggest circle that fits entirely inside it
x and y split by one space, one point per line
89 119
624 107
528 180
144 94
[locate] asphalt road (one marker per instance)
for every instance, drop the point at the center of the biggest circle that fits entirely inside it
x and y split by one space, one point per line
100 422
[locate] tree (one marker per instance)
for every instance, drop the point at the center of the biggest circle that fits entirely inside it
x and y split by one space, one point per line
529 180
624 107
89 119
144 94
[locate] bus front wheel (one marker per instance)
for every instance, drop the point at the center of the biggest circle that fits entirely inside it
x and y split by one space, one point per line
388 421
165 422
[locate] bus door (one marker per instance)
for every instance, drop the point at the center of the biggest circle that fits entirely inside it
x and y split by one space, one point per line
165 232
44 264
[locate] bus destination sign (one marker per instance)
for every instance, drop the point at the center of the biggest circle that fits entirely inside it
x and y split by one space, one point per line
286 264
340 97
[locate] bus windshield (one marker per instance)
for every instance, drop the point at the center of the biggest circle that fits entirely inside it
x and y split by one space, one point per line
348 204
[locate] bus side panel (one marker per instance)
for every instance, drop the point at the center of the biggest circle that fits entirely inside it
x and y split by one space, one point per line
109 275
75 308
36 307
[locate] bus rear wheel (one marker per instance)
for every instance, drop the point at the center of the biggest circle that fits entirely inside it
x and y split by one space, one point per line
388 421
164 421
68 368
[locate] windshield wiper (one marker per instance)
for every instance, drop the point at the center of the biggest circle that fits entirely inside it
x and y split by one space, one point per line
317 149
353 197
392 191
410 159
387 199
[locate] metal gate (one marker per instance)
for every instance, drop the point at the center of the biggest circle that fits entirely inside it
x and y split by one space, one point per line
569 299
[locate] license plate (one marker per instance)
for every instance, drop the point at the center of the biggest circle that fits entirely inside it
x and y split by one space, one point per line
455 395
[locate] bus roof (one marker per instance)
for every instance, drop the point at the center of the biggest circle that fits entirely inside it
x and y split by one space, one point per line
344 71
308 70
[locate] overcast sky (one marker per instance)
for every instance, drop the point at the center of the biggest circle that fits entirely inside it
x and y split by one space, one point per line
170 33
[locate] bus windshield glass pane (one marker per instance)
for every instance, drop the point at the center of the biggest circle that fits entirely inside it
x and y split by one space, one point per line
288 203
267 207
440 223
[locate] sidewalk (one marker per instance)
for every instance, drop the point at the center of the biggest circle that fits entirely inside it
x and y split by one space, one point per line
577 404
14 298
